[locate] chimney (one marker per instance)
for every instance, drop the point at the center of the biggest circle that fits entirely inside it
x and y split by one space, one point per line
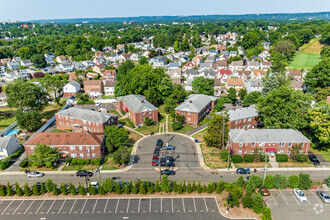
190 101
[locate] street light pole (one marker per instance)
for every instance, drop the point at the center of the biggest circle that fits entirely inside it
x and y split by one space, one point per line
265 168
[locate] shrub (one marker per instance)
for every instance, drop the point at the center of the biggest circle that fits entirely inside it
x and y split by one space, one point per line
269 182
248 158
35 190
118 188
240 181
299 158
176 126
235 192
282 158
280 182
74 161
100 190
294 181
97 161
92 190
305 181
224 155
5 163
258 203
199 188
267 214
81 161
123 112
87 162
42 189
81 189
189 188
72 189
148 121
247 201
220 187
27 191
209 188
18 189
63 189
2 191
49 185
262 158
253 183
237 159
327 181
68 160
10 191
131 124
55 190
24 163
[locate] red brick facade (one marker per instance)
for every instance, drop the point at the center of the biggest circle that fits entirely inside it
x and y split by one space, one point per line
248 123
69 94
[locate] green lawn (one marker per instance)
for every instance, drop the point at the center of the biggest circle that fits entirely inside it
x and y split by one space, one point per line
148 129
58 131
304 60
6 121
127 122
324 154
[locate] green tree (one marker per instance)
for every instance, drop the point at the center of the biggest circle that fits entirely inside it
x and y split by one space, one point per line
54 84
251 98
121 156
271 83
143 60
269 182
202 85
176 46
240 181
30 120
27 191
10 191
321 94
42 189
242 94
325 53
247 201
35 190
294 181
42 154
232 94
38 60
2 191
100 190
18 189
235 192
220 104
214 137
319 76
305 181
81 190
63 189
280 181
327 181
55 190
24 53
251 39
285 48
115 137
258 203
179 93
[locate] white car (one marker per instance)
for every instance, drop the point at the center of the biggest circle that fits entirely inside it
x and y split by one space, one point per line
300 195
98 104
35 174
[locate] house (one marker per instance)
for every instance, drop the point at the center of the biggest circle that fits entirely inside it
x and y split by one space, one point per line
2 67
157 62
98 61
6 61
135 57
61 59
210 59
3 97
173 65
109 74
175 73
137 108
224 75
83 145
254 85
26 63
113 58
235 83
265 65
99 68
79 66
266 44
188 66
98 54
297 85
124 56
16 59
243 118
251 65
294 74
221 64
49 57
195 108
8 146
83 120
197 60
233 53
12 65
205 65
245 141
243 74
65 67
258 74
71 89
236 65
88 63
94 88
109 87
91 75
219 90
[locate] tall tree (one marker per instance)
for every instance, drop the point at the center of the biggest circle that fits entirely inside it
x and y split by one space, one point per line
217 132
319 76
271 83
202 85
242 94
53 85
251 98
115 137
43 154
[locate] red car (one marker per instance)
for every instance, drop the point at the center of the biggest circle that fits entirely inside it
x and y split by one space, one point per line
155 157
155 162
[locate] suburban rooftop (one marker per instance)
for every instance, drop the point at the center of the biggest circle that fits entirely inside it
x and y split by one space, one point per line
137 103
195 103
87 115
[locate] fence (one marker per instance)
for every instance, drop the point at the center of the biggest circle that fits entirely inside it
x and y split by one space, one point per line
13 125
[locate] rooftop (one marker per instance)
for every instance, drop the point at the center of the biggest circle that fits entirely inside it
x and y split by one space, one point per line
242 113
195 103
137 103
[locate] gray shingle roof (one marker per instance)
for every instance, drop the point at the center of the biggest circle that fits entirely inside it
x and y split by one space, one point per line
267 135
4 141
74 83
242 113
192 72
87 115
137 103
195 103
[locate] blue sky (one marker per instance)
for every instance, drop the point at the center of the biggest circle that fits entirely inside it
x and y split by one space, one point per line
55 9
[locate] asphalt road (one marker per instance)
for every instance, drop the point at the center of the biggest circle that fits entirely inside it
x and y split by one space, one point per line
117 208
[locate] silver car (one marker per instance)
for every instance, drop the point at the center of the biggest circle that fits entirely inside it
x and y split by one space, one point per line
33 174
324 196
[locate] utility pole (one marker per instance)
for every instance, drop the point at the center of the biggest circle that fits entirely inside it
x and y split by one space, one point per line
165 147
265 168
223 131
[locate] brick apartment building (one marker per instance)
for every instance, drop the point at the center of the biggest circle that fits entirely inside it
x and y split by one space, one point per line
137 108
73 144
243 118
94 88
82 120
196 107
245 141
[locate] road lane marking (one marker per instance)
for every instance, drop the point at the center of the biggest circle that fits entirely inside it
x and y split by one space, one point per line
284 198
194 205
18 207
73 206
294 197
207 209
129 199
83 207
7 207
40 206
139 205
150 205
106 205
61 207
117 206
95 205
50 207
184 209
172 204
161 204
29 207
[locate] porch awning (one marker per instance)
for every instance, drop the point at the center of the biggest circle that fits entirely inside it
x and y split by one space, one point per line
271 150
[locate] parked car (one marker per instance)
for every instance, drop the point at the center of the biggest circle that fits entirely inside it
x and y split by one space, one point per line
159 143
243 171
313 159
264 191
155 162
95 185
155 157
156 152
169 147
300 195
169 163
34 174
234 103
323 196
169 158
98 104
39 184
167 172
82 173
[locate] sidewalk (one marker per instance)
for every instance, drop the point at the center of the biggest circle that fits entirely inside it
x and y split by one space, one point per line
133 130
15 166
196 130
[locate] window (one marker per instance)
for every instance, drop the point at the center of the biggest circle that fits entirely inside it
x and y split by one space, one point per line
288 152
73 155
281 144
240 152
84 121
280 151
72 147
290 144
245 152
67 124
98 130
188 119
236 122
253 144
252 151
81 155
92 147
60 123
32 147
93 155
80 147
261 144
249 119
240 144
66 118
89 123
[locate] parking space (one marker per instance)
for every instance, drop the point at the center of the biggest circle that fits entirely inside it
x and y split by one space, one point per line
116 206
285 205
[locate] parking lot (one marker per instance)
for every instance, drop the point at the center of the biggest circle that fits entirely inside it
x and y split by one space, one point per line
285 205
183 207
184 154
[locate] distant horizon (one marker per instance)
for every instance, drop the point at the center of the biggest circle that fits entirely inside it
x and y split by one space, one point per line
83 9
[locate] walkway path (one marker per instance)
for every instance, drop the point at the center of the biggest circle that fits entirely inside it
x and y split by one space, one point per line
131 129
15 166
196 130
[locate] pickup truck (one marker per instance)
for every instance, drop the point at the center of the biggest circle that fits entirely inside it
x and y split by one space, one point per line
264 191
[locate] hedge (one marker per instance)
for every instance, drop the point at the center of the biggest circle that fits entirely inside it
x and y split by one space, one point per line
24 163
224 155
6 162
282 158
237 159
97 161
262 158
248 158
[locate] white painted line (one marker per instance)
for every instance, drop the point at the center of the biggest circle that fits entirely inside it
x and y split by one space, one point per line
172 205
95 205
184 209
207 209
18 207
317 198
29 207
106 205
40 206
284 198
150 205
129 199
309 201
294 197
51 207
61 207
161 204
7 207
83 207
117 206
194 204
72 206
139 205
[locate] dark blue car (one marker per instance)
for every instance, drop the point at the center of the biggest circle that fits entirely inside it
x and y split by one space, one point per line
243 171
168 172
